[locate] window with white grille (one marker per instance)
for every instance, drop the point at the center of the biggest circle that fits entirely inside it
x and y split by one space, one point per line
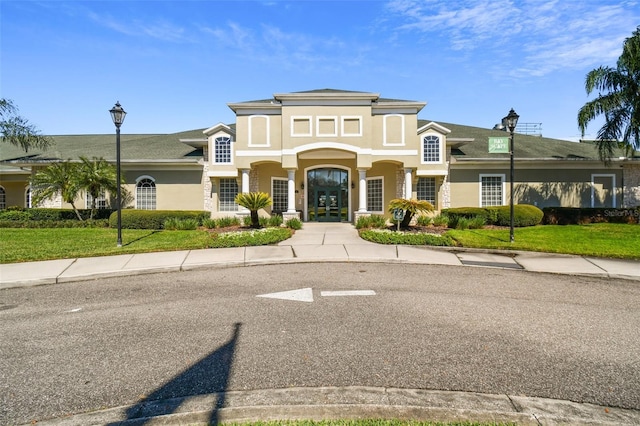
431 149
146 194
426 189
375 194
222 150
279 194
228 191
491 190
101 201
3 198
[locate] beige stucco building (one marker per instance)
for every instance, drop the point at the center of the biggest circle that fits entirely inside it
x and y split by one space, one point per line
333 155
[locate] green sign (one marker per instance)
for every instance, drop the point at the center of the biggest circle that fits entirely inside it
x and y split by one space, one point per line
398 214
499 145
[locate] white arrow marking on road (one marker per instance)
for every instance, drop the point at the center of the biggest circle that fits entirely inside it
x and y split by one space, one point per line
301 295
348 293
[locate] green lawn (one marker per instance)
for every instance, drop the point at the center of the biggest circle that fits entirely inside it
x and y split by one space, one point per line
25 245
598 239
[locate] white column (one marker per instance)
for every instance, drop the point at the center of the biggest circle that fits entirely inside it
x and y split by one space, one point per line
245 187
362 186
408 190
291 191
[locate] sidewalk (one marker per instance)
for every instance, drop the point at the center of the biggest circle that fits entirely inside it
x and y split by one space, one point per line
316 242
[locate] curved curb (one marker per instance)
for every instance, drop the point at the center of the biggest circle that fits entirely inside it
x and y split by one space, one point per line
354 402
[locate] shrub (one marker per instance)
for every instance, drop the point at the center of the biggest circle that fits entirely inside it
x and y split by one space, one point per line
153 219
175 224
441 220
523 215
471 212
373 221
580 216
246 220
477 222
384 236
39 224
423 220
256 237
225 222
294 223
459 222
209 223
411 208
275 220
15 215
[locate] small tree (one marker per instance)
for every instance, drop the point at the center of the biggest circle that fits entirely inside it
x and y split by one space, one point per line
58 178
410 207
254 201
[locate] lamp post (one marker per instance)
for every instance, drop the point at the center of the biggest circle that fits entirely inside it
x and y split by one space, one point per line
117 115
511 120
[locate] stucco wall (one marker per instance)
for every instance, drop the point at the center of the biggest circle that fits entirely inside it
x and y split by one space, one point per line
175 189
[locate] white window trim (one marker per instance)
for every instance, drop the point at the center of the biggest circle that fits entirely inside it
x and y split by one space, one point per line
138 179
268 135
502 177
301 117
593 188
335 125
28 197
213 150
235 205
351 117
440 148
384 131
274 178
87 202
4 191
382 192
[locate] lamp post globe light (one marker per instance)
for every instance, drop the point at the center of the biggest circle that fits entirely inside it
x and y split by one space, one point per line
117 115
511 120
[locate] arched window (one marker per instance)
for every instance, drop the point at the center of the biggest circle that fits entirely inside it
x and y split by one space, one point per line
27 197
431 149
145 193
3 198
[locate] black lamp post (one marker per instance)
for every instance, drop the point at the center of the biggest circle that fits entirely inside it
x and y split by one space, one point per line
511 120
117 115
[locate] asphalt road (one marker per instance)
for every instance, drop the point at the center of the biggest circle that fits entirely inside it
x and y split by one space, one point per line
84 346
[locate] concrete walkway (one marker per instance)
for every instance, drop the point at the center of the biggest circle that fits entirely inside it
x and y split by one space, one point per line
316 242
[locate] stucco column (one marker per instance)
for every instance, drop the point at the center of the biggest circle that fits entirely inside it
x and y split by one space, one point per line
408 190
245 187
362 186
291 191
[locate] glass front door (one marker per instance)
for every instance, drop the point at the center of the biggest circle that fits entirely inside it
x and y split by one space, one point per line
328 204
328 195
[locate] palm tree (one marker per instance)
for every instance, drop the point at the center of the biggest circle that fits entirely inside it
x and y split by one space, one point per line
410 207
17 130
96 176
56 179
254 201
618 101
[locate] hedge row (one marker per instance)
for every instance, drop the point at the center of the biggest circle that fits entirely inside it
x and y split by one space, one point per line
581 216
99 223
523 214
22 214
154 219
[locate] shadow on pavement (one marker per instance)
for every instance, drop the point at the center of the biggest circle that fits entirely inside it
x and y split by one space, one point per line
209 375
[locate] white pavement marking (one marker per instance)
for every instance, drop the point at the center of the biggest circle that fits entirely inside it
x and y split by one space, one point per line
348 293
301 295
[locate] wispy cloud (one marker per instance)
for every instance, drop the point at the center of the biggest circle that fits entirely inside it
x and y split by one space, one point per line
535 37
161 29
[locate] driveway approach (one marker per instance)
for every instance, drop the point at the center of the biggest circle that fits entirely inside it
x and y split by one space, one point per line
375 339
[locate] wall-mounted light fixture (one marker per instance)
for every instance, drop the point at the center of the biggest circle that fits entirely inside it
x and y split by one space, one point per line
353 185
301 185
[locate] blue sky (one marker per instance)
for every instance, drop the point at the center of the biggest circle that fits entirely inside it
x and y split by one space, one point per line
174 66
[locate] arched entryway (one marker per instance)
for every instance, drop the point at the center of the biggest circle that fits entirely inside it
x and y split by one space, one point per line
327 194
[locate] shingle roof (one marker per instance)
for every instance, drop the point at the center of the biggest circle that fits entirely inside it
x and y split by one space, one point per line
147 147
526 146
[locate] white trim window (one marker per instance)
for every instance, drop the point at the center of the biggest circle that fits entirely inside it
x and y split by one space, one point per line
101 201
228 189
3 198
279 194
375 194
431 149
145 193
492 190
426 190
27 197
222 150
